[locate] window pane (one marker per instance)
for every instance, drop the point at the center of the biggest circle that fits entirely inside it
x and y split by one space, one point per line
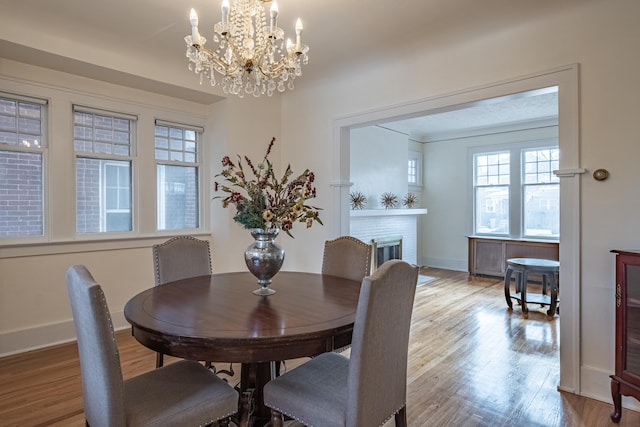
162 155
541 193
542 210
539 165
103 195
173 143
177 197
412 177
492 210
492 169
21 197
95 133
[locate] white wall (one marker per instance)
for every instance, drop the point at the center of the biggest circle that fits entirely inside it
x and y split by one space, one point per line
602 37
447 193
378 164
34 310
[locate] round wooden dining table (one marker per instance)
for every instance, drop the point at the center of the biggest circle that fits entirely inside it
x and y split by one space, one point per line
217 318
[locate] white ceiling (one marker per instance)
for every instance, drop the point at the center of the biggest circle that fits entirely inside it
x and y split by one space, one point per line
519 111
140 43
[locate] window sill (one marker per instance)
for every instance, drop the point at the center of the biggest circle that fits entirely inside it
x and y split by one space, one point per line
92 245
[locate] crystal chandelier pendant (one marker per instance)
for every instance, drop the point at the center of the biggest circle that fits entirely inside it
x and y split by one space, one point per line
249 53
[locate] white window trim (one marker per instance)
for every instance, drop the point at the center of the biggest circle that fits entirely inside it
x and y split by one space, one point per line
43 149
200 175
515 197
417 156
59 166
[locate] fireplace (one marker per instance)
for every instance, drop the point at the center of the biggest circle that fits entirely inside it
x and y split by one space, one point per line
386 248
371 224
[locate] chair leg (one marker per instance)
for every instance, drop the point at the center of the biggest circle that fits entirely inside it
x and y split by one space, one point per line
159 360
401 417
276 419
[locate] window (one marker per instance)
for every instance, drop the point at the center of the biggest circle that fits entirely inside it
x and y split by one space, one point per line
103 147
413 172
492 177
177 165
414 168
541 193
22 150
516 193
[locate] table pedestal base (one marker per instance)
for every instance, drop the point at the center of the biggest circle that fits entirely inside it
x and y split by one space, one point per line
253 377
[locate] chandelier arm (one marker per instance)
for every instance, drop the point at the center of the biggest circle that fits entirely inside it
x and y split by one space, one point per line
213 60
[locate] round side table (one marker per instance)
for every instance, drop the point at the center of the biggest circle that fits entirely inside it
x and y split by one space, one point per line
548 269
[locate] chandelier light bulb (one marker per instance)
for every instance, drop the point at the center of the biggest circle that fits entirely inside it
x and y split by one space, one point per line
225 11
274 14
251 54
193 19
298 35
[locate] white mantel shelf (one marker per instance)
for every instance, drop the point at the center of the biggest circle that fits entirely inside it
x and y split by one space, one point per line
386 212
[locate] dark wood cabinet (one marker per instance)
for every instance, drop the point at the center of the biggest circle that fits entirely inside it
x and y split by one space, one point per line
626 380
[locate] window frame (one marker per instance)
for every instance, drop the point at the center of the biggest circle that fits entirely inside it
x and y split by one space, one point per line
495 186
59 168
414 155
43 151
104 159
516 187
197 164
554 180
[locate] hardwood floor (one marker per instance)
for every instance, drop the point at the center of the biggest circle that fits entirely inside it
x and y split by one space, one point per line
471 363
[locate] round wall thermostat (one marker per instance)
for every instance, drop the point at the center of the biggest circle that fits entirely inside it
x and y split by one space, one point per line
600 174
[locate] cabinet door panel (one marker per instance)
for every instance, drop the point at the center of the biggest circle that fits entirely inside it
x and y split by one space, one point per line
489 258
632 320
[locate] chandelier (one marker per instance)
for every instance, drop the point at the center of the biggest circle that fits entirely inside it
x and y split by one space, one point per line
251 56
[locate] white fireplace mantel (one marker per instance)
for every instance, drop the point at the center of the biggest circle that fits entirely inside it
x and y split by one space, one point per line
387 212
369 224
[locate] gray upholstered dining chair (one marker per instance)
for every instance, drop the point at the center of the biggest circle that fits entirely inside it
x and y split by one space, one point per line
368 388
347 257
181 257
183 393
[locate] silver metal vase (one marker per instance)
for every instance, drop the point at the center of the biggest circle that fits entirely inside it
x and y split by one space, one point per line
264 258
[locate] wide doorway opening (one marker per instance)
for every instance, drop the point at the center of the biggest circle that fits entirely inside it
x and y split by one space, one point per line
566 81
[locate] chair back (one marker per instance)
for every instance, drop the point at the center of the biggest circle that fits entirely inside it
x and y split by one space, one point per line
102 383
347 257
181 257
377 383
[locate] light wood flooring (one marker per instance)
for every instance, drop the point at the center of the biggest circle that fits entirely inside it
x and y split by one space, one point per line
471 363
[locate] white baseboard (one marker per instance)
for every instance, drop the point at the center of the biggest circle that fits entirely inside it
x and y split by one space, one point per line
448 264
16 342
596 384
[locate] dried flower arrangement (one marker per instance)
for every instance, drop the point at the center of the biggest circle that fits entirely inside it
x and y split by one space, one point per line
358 200
263 201
389 200
410 200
